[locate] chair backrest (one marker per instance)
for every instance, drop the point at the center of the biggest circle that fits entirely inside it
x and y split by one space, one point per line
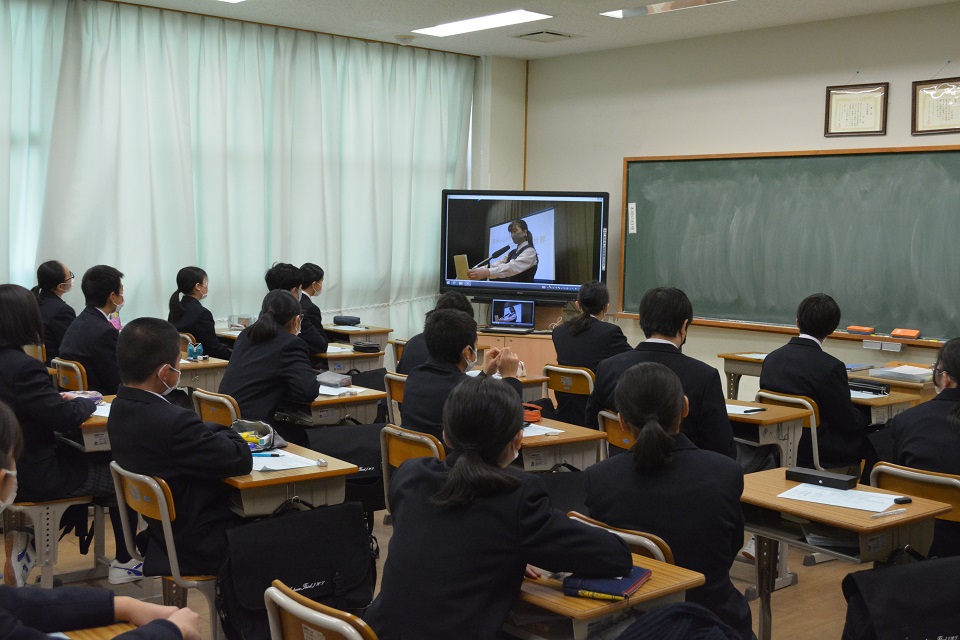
398 346
398 445
641 543
38 351
942 487
788 400
71 376
616 434
574 380
295 617
186 339
394 385
215 407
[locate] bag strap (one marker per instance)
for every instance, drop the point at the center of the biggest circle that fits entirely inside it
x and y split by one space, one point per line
293 504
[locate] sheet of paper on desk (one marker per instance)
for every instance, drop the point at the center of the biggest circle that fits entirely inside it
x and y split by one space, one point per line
850 498
473 373
103 410
339 391
338 349
285 461
737 410
865 395
752 356
537 430
343 327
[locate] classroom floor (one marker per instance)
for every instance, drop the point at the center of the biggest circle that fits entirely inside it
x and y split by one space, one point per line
813 609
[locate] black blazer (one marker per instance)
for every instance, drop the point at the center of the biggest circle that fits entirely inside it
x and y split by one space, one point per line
707 425
426 391
414 354
47 470
456 573
30 614
92 341
311 329
588 348
694 505
801 367
151 436
198 321
57 316
260 376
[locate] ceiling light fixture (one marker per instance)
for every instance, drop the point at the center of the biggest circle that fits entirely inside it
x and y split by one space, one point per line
661 7
484 22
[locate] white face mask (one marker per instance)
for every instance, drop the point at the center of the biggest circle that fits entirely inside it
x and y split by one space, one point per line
471 363
13 494
168 389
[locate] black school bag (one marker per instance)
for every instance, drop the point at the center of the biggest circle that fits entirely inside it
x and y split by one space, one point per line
323 553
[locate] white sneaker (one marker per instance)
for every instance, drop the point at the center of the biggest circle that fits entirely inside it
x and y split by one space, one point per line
749 551
121 572
21 556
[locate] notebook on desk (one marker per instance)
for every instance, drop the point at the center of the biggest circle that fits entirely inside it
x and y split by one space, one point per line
511 316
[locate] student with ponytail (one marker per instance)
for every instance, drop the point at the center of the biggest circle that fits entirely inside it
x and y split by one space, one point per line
189 316
465 529
520 265
54 280
667 486
270 363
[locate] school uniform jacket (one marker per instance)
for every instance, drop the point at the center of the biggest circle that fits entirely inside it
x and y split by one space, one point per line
455 573
198 322
414 354
260 376
801 367
426 391
57 316
151 436
588 348
693 504
46 470
311 329
707 424
92 341
30 614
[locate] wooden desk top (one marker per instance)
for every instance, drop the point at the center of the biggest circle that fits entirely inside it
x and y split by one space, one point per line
665 579
95 421
571 433
363 395
359 330
529 380
228 334
762 488
254 479
895 397
771 414
348 355
739 357
894 383
101 633
209 363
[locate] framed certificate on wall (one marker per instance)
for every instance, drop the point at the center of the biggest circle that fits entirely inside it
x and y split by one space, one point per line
936 106
856 110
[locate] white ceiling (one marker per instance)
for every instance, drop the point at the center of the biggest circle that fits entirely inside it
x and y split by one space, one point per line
383 20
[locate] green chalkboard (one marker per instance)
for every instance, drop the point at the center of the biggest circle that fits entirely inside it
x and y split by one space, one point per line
749 237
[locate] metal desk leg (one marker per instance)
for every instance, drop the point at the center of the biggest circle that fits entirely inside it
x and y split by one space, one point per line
766 578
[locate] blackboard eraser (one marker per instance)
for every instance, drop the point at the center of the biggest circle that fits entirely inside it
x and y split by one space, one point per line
861 330
911 334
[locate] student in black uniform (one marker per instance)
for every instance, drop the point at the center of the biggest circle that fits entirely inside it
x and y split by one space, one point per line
269 363
520 265
415 352
91 339
311 284
189 316
669 487
585 341
54 280
464 529
286 277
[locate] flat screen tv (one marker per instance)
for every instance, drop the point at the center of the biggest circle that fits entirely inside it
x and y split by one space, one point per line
559 242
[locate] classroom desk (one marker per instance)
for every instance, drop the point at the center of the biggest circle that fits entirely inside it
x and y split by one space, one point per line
100 633
363 332
229 335
260 492
340 359
576 446
668 584
737 365
91 436
780 426
878 537
534 387
202 374
325 410
882 408
922 390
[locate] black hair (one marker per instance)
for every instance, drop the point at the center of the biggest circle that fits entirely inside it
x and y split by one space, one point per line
593 298
49 277
283 276
11 438
98 283
480 418
309 273
663 310
279 308
187 279
453 300
948 361
818 315
447 332
20 322
144 345
649 398
522 225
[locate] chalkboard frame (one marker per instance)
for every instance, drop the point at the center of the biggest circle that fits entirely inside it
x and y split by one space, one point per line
757 326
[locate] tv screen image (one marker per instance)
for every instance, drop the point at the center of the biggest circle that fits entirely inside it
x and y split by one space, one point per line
568 231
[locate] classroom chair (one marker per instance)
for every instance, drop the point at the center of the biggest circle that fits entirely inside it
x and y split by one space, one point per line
398 444
640 542
942 487
616 434
186 339
394 386
296 617
215 407
572 380
38 351
786 399
151 498
398 346
71 376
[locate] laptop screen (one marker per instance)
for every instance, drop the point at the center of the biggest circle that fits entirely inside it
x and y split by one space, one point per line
512 313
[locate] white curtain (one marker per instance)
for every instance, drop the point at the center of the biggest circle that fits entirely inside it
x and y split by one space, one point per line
151 140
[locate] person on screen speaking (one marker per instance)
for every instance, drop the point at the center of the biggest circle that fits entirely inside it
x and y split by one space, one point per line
520 265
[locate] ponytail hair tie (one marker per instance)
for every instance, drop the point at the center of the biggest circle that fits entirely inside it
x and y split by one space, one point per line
651 418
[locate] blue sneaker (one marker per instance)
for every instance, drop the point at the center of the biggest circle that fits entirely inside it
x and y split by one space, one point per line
20 558
121 572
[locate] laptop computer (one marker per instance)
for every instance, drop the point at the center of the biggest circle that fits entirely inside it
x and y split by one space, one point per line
511 316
